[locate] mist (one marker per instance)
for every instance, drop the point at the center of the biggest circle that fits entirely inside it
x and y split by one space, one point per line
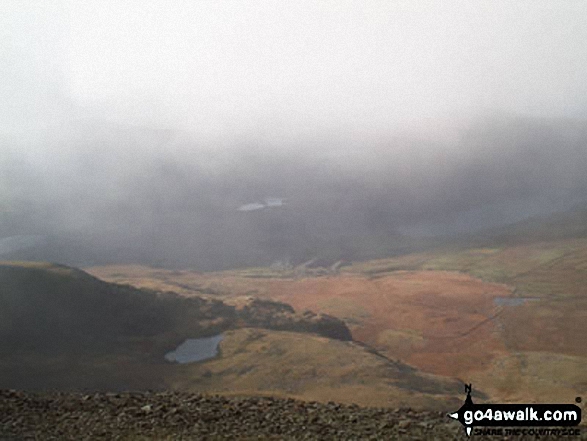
133 132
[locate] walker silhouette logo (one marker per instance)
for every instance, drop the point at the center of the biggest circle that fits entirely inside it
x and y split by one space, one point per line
473 415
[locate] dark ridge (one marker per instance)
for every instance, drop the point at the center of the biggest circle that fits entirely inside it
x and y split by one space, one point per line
61 327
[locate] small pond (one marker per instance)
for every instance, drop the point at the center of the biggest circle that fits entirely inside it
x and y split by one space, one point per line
513 301
195 349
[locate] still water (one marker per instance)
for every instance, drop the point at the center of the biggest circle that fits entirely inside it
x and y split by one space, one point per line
195 349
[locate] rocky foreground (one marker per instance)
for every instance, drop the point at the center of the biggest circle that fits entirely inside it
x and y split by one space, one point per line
172 415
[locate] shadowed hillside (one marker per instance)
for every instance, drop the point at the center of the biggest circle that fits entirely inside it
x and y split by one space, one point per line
57 320
559 226
64 329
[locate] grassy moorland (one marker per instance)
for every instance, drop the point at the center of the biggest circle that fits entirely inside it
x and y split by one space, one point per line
443 310
62 329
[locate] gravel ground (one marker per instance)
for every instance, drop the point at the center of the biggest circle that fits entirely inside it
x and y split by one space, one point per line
173 415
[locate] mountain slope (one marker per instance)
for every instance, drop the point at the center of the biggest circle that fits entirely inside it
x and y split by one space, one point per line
64 329
506 315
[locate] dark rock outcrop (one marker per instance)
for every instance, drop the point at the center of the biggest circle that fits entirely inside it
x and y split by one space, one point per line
282 317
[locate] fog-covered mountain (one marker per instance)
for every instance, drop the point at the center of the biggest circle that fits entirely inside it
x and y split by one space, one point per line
110 193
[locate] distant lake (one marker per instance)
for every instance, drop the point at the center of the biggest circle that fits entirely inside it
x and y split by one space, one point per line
269 203
195 349
513 301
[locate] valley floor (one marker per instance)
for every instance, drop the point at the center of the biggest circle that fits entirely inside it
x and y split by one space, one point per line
446 312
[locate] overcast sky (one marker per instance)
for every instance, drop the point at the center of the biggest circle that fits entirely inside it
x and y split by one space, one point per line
290 68
148 123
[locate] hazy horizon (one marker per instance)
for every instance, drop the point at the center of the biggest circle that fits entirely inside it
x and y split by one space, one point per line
139 129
